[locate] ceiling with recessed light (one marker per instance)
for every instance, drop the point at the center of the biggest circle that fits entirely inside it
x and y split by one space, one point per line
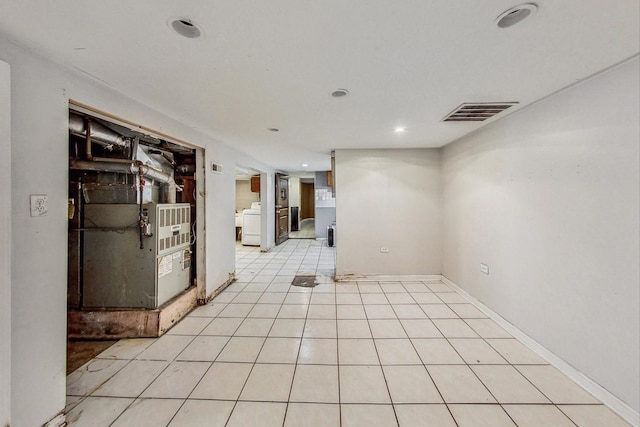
259 66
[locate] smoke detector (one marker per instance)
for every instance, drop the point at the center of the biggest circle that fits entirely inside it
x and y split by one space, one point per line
516 14
185 27
339 93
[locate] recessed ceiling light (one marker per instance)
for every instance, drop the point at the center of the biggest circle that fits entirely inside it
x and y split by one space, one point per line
399 130
516 14
304 165
185 27
339 93
274 129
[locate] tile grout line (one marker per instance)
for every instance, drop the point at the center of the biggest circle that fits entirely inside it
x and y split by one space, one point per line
221 350
255 362
423 364
459 355
293 377
316 254
152 381
514 366
375 346
335 296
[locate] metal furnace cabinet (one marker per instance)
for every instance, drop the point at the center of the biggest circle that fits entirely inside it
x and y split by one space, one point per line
117 273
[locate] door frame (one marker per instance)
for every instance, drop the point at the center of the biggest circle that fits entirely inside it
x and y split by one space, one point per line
281 204
304 195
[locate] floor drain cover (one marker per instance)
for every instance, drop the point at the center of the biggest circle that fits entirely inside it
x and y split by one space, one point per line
304 281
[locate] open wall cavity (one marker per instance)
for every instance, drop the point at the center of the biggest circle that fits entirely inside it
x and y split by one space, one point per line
132 229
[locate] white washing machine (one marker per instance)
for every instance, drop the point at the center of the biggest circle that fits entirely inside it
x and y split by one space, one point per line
251 225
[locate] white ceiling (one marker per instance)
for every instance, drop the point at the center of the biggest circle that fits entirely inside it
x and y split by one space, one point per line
264 64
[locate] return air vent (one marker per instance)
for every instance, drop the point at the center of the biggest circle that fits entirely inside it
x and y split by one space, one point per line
173 227
216 167
477 112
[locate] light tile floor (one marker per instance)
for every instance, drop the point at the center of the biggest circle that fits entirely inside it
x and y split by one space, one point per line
264 353
307 230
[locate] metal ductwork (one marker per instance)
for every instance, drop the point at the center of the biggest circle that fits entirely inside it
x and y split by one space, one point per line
130 167
99 133
156 175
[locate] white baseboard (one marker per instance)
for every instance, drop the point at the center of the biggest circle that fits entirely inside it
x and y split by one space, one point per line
389 278
600 393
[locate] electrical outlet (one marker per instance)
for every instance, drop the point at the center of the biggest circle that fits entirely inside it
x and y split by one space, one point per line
384 250
39 204
484 268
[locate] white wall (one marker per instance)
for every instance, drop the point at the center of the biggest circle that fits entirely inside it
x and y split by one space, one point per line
40 91
244 195
294 197
294 191
39 156
549 198
388 198
268 217
5 244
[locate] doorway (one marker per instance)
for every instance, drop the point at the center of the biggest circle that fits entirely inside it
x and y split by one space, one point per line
307 201
248 207
305 223
282 208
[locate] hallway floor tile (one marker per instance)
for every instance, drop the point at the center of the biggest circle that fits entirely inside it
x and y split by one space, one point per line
266 353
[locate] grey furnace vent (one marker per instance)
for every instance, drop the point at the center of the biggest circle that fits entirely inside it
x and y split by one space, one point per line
477 112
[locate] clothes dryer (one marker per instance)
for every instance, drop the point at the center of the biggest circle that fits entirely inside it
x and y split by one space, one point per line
251 225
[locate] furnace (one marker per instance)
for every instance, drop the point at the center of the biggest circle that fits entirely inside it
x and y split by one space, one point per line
131 217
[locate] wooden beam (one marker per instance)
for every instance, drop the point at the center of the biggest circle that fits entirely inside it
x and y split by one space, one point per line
118 324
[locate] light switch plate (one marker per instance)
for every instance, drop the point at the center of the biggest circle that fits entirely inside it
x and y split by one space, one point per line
39 204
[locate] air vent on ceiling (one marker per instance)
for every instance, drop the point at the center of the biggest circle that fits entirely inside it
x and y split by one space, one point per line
477 112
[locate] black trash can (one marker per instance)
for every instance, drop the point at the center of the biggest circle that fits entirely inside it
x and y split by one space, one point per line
331 235
295 218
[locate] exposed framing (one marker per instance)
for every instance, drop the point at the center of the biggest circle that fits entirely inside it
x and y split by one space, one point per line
200 184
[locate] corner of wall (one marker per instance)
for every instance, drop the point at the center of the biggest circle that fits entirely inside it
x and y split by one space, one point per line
5 244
